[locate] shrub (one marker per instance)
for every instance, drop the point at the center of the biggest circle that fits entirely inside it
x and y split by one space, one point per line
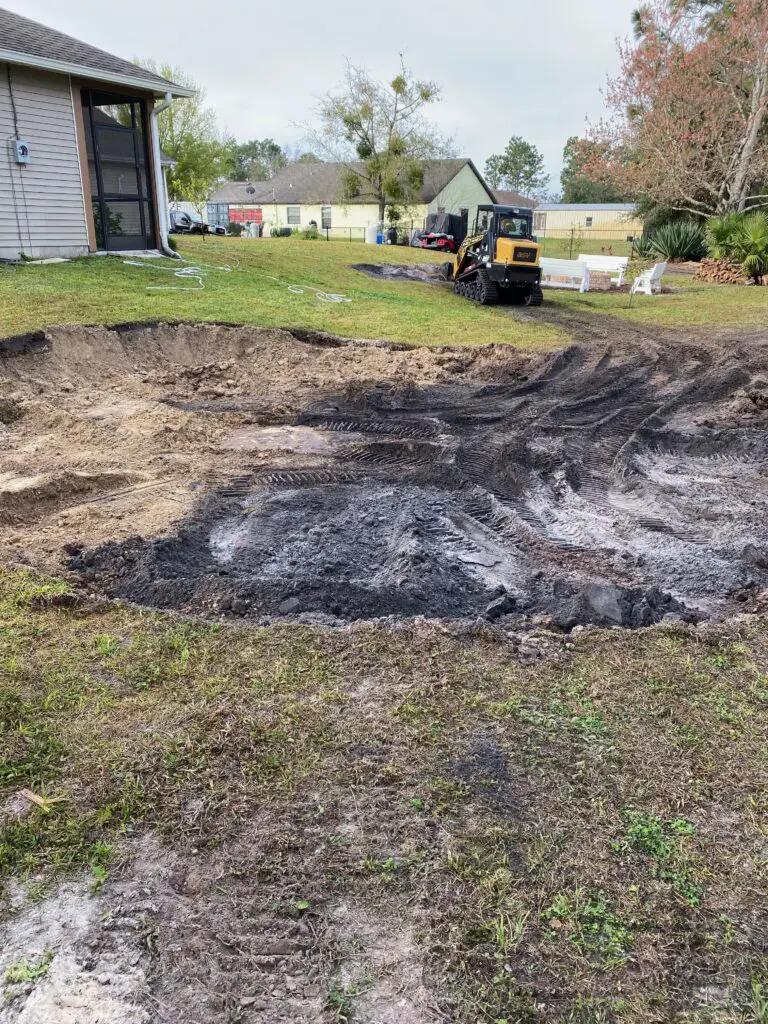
235 228
743 238
677 240
311 235
643 248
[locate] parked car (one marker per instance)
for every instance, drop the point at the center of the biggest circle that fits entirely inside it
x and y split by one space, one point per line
192 224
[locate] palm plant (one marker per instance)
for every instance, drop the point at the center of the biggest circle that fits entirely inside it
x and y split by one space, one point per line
720 232
743 238
751 246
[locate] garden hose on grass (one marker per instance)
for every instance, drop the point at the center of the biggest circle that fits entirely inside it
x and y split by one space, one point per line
199 271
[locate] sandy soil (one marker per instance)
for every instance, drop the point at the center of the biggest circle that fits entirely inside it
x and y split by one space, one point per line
104 435
338 480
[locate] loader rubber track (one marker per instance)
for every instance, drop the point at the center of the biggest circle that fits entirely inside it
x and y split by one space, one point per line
480 288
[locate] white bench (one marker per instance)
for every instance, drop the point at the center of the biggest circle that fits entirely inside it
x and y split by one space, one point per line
616 266
573 274
650 281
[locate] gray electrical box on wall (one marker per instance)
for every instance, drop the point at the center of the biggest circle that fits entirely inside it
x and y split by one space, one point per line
19 151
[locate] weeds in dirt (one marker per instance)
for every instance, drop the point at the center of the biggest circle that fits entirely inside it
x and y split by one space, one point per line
341 1002
756 1010
29 971
663 842
105 644
592 927
99 876
507 932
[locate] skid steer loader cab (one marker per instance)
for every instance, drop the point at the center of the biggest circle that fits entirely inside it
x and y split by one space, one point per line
500 260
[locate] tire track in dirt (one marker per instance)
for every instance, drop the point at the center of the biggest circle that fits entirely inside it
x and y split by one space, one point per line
584 478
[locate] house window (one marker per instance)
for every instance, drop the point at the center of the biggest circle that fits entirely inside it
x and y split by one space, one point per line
590 221
325 217
294 216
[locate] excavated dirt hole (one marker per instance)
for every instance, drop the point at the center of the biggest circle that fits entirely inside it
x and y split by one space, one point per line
259 475
230 470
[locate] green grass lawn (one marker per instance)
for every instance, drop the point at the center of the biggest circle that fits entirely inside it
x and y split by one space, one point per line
104 290
688 304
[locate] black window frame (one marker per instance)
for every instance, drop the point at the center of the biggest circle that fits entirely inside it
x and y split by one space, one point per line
139 132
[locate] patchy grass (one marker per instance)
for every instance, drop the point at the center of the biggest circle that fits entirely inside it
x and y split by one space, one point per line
586 833
104 290
689 304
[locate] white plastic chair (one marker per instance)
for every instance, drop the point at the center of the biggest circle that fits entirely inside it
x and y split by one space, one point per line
649 282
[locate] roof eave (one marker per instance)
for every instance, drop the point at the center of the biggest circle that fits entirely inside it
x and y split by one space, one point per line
94 74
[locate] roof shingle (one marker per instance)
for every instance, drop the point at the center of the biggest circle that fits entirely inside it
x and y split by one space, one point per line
506 198
321 183
34 42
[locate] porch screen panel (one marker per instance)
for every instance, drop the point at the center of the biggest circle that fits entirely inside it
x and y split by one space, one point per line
118 170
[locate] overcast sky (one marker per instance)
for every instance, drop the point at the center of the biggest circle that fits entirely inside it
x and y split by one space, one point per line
506 67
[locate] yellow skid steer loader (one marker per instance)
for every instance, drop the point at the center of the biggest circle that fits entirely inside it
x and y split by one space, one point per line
500 261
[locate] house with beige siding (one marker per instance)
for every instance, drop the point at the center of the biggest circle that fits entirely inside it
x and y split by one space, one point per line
80 163
617 221
310 194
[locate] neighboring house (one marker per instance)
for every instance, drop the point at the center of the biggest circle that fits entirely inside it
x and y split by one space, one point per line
505 198
80 164
601 220
181 206
302 193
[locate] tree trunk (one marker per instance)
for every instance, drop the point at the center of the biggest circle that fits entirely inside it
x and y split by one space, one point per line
755 121
382 209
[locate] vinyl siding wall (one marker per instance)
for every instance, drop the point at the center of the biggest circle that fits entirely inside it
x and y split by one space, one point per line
560 223
42 201
464 192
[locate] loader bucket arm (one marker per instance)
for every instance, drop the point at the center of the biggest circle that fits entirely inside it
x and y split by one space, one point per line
464 258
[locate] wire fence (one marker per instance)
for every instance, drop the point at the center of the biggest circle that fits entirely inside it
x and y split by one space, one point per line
395 234
560 243
597 241
563 244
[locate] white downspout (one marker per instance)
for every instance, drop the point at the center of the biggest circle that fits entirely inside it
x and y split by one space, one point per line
161 191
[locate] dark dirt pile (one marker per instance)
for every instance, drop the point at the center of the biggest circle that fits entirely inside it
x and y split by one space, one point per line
615 487
428 273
